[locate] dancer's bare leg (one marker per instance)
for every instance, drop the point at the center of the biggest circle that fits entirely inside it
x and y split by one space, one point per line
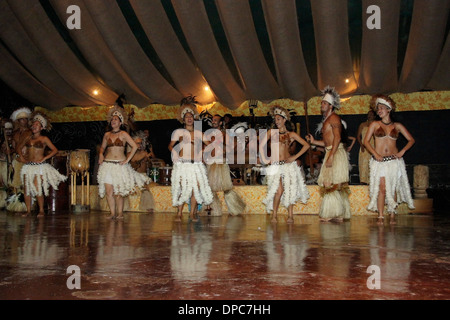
111 200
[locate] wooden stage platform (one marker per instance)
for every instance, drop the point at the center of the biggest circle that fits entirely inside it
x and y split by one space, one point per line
251 194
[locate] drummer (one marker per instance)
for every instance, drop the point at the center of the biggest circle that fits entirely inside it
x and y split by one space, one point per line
189 178
116 178
141 163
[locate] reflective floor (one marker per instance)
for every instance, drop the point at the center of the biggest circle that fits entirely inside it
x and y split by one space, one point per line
149 256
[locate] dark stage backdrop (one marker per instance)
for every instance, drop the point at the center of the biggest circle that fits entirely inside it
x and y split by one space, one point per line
429 128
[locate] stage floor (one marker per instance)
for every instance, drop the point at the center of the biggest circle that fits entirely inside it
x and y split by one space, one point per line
149 256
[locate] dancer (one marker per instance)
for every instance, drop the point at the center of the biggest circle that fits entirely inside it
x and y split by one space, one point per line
285 182
364 155
189 179
116 178
37 175
219 175
334 174
388 179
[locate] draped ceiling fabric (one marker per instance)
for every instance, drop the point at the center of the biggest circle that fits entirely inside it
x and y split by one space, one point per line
157 51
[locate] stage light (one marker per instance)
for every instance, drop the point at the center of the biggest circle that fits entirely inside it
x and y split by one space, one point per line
96 92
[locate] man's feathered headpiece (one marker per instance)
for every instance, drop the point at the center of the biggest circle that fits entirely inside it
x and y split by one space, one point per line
331 96
21 113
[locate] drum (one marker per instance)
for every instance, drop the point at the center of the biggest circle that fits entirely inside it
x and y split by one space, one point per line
164 175
79 160
58 200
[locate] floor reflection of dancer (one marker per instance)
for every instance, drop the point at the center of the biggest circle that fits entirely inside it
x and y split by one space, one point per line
388 179
36 174
219 176
334 174
285 182
116 178
189 180
140 162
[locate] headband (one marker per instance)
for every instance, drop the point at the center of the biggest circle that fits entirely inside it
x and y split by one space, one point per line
383 102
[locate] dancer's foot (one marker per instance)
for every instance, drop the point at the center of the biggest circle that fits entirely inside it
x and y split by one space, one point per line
120 217
274 219
40 215
290 220
111 217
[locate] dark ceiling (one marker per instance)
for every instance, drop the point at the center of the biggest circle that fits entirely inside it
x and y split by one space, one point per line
249 58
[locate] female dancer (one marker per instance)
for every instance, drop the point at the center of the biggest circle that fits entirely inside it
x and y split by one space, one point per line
285 182
189 178
388 180
37 175
115 175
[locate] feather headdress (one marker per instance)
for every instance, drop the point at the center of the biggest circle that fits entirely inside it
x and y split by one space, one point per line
43 120
119 112
384 100
278 110
187 105
331 96
21 113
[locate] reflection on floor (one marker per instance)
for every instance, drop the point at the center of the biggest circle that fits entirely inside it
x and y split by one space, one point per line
149 256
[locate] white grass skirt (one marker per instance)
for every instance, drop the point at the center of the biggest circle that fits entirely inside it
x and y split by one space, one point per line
43 174
188 178
123 178
397 185
294 187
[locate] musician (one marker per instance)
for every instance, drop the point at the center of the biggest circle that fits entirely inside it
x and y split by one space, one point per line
189 178
141 163
6 153
334 174
36 174
285 182
21 132
116 178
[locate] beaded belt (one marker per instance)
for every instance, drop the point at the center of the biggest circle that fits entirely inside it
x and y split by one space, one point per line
388 158
187 161
279 162
35 163
112 161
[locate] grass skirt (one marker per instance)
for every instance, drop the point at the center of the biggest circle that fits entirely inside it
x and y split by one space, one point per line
333 183
338 173
16 180
294 187
397 185
44 175
123 178
188 178
219 177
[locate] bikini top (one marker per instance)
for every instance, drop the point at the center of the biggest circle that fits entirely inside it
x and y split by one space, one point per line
116 143
37 145
380 133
